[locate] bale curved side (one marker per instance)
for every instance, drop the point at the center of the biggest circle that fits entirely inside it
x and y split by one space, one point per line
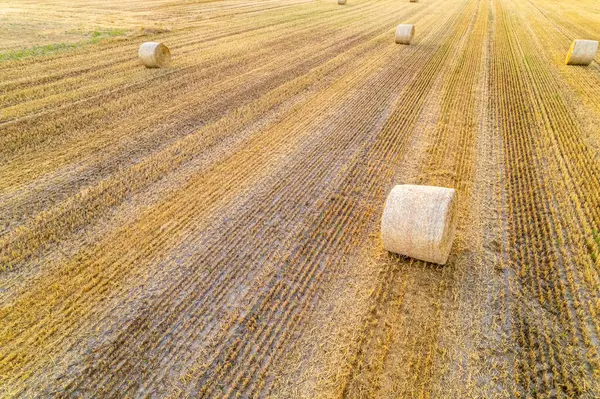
405 33
582 52
154 55
420 222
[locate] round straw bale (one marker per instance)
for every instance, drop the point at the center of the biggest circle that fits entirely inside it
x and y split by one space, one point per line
404 33
341 2
582 52
419 221
154 55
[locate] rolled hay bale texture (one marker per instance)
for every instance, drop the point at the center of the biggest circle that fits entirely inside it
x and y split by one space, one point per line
404 33
420 222
582 52
341 2
414 1
154 55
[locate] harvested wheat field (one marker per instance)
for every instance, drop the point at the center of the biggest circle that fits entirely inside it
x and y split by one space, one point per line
212 228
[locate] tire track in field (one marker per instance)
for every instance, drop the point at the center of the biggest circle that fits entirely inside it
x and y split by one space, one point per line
385 323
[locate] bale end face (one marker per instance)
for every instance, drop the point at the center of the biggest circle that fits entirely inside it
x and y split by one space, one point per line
420 222
405 33
582 52
154 55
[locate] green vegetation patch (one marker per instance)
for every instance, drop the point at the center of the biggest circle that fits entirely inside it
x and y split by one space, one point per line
37 51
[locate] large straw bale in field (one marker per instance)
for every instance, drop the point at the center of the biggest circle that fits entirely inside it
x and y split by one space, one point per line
154 55
404 33
419 221
582 52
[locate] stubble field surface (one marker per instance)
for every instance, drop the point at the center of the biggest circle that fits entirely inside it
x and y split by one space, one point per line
212 229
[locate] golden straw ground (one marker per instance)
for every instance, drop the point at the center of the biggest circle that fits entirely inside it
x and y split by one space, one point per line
204 230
